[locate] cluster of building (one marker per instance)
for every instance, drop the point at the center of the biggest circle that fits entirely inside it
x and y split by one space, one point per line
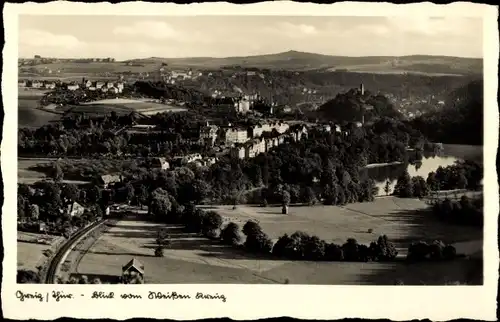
230 135
111 87
35 84
267 141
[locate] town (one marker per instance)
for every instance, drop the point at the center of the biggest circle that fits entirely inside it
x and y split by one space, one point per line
276 168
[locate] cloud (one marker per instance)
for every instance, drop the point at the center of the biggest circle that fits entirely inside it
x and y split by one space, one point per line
38 38
148 29
435 26
291 30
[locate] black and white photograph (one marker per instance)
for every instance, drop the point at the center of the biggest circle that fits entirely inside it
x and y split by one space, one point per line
285 149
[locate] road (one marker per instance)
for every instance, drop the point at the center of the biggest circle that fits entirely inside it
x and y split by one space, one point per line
61 253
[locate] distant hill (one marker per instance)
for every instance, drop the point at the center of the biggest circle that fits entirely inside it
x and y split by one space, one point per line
294 60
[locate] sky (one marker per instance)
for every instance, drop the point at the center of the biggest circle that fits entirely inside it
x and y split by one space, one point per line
128 37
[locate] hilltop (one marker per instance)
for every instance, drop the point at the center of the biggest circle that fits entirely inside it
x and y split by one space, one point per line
295 60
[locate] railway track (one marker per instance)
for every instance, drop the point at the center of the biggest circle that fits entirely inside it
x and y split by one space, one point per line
52 269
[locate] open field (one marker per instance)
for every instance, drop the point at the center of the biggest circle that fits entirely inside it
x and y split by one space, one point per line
120 106
193 259
402 220
30 249
29 176
28 113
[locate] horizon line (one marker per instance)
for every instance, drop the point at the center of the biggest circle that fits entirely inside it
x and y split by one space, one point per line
257 55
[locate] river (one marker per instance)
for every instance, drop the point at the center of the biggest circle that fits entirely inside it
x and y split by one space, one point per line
450 154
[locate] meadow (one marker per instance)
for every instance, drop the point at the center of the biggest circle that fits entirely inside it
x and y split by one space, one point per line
121 106
29 115
194 259
31 248
27 175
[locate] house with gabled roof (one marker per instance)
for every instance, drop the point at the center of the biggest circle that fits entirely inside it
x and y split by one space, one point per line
133 270
106 180
75 209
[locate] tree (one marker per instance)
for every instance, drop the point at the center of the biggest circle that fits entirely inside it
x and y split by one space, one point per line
383 249
94 195
142 195
27 277
404 188
57 172
387 187
201 190
462 181
309 196
251 228
162 241
230 234
259 243
34 212
420 188
211 224
160 204
70 192
130 192
350 250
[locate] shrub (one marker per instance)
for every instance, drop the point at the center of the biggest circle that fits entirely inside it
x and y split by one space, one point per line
251 228
418 251
211 222
230 235
350 250
83 280
264 203
258 243
213 233
193 220
383 249
73 280
96 281
314 248
159 251
436 250
27 277
333 252
449 252
282 245
364 253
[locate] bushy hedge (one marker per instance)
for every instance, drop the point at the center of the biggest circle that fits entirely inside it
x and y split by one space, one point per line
230 235
27 277
466 211
302 246
436 251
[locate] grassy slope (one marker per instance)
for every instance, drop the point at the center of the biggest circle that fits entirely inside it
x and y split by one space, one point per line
30 116
192 259
289 60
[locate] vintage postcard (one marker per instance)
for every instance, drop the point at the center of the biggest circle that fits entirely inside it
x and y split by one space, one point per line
312 161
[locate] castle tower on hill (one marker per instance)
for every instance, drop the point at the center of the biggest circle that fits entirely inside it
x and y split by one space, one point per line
362 89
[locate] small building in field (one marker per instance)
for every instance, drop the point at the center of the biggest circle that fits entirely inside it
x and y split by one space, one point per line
133 272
